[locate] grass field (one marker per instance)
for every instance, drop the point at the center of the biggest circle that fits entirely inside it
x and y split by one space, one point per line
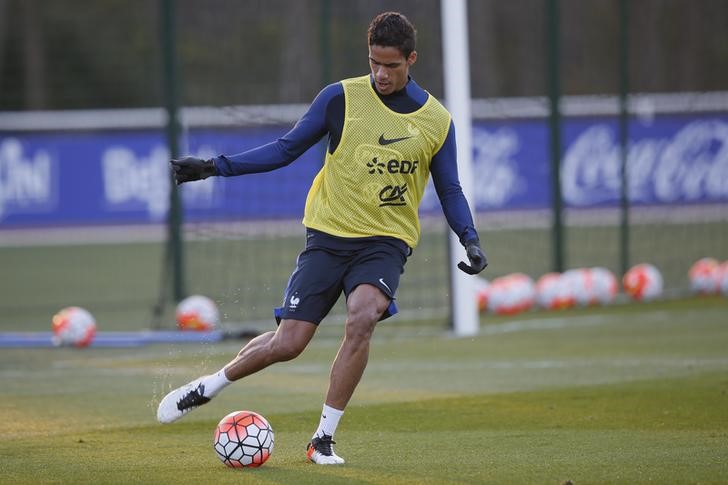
625 394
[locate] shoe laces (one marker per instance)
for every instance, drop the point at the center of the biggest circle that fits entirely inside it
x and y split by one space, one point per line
193 398
323 444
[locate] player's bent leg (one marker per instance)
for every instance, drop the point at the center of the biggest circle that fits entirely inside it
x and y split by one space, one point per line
194 394
287 342
365 306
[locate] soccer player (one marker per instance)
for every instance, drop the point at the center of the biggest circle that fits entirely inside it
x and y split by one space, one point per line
386 135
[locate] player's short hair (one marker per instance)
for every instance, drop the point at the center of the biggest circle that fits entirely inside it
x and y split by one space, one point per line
392 29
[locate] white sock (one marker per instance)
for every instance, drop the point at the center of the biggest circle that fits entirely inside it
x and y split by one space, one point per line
329 421
215 383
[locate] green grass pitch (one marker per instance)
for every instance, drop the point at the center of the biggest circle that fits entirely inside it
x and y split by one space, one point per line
625 394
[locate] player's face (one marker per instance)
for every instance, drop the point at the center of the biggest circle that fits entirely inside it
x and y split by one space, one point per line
390 68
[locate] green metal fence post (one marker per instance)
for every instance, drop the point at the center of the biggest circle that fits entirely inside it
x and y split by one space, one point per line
174 258
554 88
624 132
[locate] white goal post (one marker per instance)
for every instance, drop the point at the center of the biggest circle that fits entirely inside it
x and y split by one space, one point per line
456 65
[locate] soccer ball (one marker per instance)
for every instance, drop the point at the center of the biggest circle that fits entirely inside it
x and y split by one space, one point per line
198 313
579 284
243 439
511 294
705 276
604 286
73 326
553 292
643 282
590 286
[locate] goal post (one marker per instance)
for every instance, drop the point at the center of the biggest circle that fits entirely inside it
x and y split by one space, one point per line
456 65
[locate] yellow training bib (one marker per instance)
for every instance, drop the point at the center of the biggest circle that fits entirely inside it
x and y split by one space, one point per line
373 183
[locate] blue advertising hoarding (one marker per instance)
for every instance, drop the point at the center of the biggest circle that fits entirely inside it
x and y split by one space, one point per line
121 177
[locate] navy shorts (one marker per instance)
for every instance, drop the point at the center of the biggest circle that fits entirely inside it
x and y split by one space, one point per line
329 265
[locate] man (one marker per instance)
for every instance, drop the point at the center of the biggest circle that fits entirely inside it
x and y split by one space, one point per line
385 136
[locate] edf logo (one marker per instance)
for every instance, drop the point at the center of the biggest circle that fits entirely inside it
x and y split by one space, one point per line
25 181
392 166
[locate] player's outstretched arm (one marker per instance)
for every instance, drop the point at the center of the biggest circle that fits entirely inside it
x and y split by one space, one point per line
444 172
312 126
476 256
188 169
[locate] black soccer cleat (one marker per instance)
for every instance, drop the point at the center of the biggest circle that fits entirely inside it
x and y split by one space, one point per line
321 451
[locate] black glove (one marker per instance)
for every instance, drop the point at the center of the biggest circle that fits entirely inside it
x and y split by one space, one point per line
191 168
476 256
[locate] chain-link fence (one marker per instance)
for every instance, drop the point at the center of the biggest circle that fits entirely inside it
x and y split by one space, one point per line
83 180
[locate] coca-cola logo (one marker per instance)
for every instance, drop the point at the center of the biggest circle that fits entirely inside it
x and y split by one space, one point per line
690 166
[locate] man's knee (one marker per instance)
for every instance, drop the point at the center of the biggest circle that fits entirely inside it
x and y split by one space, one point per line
288 342
360 323
365 307
286 349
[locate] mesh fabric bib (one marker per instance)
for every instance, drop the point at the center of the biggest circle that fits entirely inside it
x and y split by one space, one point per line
373 183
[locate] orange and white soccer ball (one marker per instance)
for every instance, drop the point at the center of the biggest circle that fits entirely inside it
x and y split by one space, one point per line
604 286
197 313
705 276
553 292
243 439
73 326
579 284
511 294
643 282
591 286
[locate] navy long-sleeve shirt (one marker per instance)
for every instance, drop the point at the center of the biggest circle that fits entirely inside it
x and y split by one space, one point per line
325 116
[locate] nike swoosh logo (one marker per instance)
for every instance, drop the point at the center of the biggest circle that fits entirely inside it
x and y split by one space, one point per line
389 141
381 280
